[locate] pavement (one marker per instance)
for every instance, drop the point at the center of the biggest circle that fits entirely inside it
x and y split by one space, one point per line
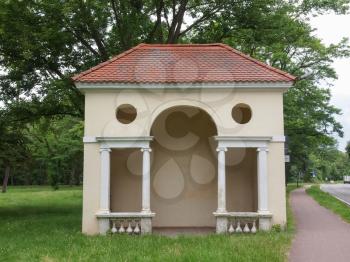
340 191
321 235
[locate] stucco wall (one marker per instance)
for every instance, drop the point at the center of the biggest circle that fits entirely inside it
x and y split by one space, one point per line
267 120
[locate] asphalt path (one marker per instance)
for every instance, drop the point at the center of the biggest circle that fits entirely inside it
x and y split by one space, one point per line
321 236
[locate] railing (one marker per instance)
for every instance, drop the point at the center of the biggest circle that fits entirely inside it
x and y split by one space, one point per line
242 222
129 226
131 223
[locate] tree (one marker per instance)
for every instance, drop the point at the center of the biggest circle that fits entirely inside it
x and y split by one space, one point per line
12 147
348 149
329 163
43 43
57 144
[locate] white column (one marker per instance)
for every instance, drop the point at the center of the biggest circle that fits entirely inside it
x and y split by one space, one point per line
146 180
105 178
221 180
262 180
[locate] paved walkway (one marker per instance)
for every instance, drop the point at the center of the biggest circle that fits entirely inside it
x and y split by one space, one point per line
321 235
340 191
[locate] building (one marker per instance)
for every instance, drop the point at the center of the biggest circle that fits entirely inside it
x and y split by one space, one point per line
183 136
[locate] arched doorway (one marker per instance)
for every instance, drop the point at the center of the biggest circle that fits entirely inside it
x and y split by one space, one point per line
184 167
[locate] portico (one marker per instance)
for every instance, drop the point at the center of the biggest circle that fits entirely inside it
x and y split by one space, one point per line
104 213
262 213
143 218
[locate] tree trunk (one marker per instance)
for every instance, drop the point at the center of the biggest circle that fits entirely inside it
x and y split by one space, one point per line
6 179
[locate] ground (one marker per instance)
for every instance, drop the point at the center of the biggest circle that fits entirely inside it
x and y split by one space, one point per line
39 224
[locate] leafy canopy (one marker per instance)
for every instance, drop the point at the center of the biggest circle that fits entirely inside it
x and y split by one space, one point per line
43 43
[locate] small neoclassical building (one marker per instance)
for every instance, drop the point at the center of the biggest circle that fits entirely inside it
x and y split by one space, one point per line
183 137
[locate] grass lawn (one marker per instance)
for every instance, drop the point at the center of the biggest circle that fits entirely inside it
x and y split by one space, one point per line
328 201
39 224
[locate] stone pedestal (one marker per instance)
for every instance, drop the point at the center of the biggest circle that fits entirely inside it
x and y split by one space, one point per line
146 225
103 224
221 224
265 222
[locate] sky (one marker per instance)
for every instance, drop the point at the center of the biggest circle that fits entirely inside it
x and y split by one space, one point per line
332 28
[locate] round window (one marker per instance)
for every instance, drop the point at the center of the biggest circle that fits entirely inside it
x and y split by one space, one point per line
126 113
241 113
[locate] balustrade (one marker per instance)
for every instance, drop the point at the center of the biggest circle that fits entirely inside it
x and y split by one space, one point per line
242 225
128 226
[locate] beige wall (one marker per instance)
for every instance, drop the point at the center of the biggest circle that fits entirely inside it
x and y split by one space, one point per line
241 180
267 117
126 183
192 206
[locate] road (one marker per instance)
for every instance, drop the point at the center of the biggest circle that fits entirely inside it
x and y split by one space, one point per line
340 191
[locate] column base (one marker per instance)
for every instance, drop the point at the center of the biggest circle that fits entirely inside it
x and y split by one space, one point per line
146 225
103 225
221 224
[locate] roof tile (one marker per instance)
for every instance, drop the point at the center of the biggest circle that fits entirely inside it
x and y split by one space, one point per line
192 63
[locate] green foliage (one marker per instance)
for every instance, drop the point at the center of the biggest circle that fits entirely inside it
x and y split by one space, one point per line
43 43
53 152
329 164
328 201
52 222
348 149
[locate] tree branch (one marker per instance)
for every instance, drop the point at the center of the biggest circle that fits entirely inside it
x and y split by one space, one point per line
177 23
157 24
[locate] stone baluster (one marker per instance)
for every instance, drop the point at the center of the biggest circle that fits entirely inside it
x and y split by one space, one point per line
129 229
137 228
231 229
121 229
239 229
114 229
246 228
253 230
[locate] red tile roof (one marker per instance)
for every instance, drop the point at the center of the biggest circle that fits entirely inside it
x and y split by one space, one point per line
190 63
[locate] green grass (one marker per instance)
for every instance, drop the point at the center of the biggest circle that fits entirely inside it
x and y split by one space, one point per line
328 201
290 216
39 224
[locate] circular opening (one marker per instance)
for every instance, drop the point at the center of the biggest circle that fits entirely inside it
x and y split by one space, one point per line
241 113
126 113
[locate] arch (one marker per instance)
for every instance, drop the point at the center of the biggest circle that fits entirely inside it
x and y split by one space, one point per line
183 173
185 102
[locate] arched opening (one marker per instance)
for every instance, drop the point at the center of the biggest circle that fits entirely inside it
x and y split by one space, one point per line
183 174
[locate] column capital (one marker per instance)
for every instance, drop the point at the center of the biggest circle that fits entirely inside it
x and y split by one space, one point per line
262 149
147 149
221 148
105 149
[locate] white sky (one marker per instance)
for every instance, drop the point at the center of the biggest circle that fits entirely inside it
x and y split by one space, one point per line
331 29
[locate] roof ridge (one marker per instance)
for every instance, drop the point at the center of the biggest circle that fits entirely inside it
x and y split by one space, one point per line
181 45
256 61
98 66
